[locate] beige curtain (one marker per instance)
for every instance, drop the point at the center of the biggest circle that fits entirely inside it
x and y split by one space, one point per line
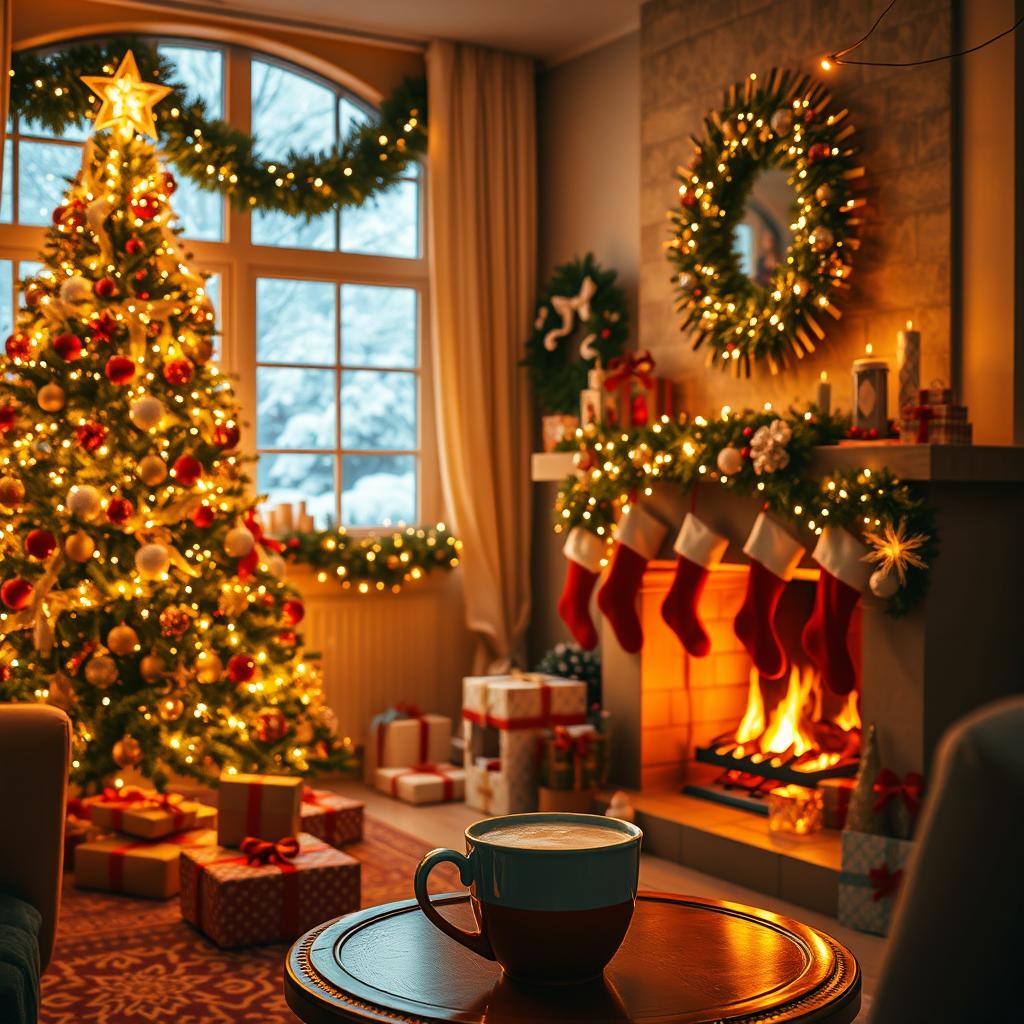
483 236
5 79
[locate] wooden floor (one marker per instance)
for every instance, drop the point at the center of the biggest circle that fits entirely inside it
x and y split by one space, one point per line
443 825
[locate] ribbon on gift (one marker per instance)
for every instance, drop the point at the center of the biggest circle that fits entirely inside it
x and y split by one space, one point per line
923 415
568 307
134 798
885 882
247 565
330 814
116 857
263 851
399 713
622 371
888 785
447 782
545 720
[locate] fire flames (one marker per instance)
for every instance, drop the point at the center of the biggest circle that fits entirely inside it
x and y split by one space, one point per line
797 731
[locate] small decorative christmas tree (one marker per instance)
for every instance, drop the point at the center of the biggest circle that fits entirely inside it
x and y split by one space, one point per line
138 591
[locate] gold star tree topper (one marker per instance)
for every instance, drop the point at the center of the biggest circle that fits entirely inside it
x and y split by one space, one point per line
128 101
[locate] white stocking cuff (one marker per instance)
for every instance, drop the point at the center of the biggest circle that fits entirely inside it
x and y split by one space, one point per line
699 544
639 530
584 548
774 547
841 554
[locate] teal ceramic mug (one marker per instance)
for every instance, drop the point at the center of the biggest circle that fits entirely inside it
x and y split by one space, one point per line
553 894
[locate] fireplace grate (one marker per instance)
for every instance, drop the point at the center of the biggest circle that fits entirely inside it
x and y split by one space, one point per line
726 753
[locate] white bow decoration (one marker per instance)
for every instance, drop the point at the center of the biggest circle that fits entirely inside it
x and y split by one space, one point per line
568 307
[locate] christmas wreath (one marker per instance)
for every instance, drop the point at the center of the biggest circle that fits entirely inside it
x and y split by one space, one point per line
47 89
785 124
581 317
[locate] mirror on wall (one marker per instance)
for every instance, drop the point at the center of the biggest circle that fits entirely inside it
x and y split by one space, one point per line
762 234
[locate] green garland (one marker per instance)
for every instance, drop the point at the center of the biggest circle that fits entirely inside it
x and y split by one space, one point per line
614 467
557 365
783 123
46 88
373 562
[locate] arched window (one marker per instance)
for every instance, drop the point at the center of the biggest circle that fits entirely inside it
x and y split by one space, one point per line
323 321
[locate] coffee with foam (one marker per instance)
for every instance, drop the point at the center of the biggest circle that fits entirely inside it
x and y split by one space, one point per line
554 835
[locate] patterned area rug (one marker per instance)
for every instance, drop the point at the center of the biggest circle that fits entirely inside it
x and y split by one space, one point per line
129 961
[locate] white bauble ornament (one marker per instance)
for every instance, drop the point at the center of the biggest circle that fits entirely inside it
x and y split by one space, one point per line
79 546
98 211
782 121
50 398
152 561
239 542
84 501
101 671
883 584
277 566
729 461
152 470
75 289
146 413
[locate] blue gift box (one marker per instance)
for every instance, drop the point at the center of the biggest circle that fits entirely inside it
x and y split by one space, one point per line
865 903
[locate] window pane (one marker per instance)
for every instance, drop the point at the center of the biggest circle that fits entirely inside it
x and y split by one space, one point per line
7 200
290 113
200 213
294 408
201 71
378 326
274 228
350 116
378 489
285 477
378 409
388 225
295 321
72 132
6 298
212 287
42 178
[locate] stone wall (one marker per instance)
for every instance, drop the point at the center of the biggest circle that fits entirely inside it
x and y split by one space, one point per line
691 51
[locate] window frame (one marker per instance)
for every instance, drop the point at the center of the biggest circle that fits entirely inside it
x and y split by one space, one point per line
239 262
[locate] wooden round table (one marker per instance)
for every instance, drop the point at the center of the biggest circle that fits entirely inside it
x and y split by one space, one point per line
685 961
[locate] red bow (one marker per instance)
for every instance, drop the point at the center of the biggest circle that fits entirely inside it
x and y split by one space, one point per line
247 565
621 368
888 784
262 851
309 795
578 746
128 795
885 882
923 414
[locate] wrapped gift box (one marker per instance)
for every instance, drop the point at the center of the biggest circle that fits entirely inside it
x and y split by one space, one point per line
334 819
143 813
416 739
265 806
206 816
872 870
423 784
238 903
573 757
492 791
528 701
835 795
136 867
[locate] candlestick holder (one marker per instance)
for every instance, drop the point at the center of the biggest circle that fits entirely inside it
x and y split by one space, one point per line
871 395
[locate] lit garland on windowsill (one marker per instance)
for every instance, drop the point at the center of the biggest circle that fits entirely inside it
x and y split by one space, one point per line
46 88
375 563
765 455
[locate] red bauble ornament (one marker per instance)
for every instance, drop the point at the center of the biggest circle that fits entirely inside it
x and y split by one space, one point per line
120 370
16 593
103 328
133 246
271 726
241 668
90 435
225 436
287 637
187 469
68 347
105 288
145 207
294 611
606 333
178 372
71 214
18 346
688 199
748 431
203 517
170 185
8 417
119 511
819 151
745 453
40 544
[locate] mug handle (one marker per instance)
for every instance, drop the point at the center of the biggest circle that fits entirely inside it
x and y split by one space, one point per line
474 941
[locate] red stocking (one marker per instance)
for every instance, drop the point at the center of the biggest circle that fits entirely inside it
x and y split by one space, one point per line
584 551
843 576
639 535
699 549
774 555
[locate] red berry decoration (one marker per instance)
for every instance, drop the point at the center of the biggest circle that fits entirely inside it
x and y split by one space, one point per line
16 593
120 370
90 435
241 668
745 453
225 436
606 333
294 611
105 288
145 207
187 470
178 372
8 417
271 726
40 544
203 517
18 346
68 347
119 511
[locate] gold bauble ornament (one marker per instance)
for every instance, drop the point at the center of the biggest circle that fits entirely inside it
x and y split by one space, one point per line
79 546
51 398
170 709
122 639
201 350
41 448
84 501
152 667
152 561
152 470
34 292
101 671
147 412
127 751
822 239
239 542
304 732
729 461
12 491
232 603
782 121
824 193
208 667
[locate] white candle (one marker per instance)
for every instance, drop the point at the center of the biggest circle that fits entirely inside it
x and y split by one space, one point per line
908 362
871 393
286 517
824 394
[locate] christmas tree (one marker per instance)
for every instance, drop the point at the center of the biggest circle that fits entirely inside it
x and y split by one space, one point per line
138 591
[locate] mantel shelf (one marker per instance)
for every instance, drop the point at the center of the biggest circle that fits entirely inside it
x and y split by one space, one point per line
946 463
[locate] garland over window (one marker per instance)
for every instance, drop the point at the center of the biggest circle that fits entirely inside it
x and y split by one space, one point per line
46 88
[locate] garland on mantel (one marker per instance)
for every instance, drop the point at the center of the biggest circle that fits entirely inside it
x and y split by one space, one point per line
47 89
761 454
371 563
